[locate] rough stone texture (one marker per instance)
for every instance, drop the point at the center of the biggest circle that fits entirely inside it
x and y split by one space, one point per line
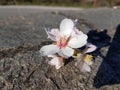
22 34
26 29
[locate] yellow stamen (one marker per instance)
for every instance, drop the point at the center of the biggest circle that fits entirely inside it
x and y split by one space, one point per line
88 58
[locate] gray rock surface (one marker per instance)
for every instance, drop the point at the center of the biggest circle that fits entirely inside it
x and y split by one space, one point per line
22 34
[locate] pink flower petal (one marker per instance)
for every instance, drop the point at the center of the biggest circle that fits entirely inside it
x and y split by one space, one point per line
76 32
85 68
90 47
53 34
56 61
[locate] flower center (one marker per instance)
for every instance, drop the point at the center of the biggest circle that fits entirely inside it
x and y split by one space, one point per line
63 41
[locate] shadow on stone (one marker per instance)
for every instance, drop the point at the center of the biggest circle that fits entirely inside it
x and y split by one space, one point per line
100 39
109 70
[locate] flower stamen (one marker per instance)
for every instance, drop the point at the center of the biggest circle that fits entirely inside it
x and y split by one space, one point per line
63 41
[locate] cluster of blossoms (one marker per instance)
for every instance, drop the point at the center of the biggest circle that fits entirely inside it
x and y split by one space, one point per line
67 41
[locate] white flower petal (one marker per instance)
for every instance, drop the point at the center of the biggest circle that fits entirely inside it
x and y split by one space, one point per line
48 50
56 61
76 32
78 41
52 55
90 47
66 27
85 68
53 34
66 52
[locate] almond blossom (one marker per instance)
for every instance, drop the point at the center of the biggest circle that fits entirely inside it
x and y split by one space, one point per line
66 41
67 38
56 61
84 60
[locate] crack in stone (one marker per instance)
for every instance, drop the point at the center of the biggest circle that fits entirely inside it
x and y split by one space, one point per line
54 82
64 79
29 76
